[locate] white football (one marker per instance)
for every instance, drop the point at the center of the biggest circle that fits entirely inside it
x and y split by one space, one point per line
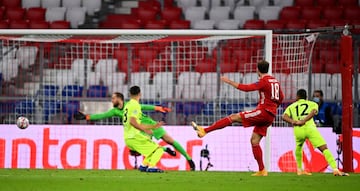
22 122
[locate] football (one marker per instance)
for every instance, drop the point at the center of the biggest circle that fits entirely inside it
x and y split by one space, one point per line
22 122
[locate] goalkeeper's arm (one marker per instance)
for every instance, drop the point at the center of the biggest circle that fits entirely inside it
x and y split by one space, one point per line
81 116
162 109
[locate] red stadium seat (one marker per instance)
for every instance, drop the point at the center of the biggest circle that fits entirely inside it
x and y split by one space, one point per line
352 12
147 54
38 24
11 3
155 24
15 13
330 59
18 24
314 24
4 24
146 14
150 4
348 3
338 23
290 13
254 24
304 3
171 13
130 24
242 55
168 3
275 25
310 13
295 25
206 65
331 13
60 25
326 3
179 24
2 13
355 22
36 13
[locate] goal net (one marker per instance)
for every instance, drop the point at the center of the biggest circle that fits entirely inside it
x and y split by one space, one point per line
49 75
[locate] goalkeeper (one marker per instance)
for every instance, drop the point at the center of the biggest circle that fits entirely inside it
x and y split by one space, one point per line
117 100
300 114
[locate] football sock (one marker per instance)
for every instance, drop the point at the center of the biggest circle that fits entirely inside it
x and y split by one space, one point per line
330 158
258 156
155 157
226 121
179 148
298 156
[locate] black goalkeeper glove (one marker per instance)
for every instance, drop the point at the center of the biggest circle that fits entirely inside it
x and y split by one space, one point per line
79 116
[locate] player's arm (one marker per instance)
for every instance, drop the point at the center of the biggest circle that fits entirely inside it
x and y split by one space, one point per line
81 116
309 116
144 127
242 87
162 109
287 116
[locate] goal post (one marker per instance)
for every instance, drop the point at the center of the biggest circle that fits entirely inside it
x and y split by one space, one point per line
57 69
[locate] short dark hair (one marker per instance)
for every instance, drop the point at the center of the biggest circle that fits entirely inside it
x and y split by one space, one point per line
119 95
263 66
320 92
301 93
134 90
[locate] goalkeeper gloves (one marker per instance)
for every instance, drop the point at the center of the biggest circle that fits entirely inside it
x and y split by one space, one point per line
162 109
80 116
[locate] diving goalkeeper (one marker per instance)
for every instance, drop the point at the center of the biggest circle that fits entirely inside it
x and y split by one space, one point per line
117 100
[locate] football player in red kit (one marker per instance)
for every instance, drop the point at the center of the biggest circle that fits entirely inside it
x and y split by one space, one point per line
261 117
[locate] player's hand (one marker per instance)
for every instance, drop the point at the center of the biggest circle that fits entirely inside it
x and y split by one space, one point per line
148 131
162 109
79 116
225 79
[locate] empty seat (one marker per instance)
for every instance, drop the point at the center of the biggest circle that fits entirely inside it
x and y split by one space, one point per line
18 24
130 24
310 13
16 13
50 3
352 12
76 16
269 13
97 91
71 3
186 78
146 14
244 13
276 25
38 25
228 24
296 25
348 3
219 13
331 13
9 68
81 67
106 66
4 24
55 14
326 3
184 4
164 84
283 3
27 55
155 24
203 24
290 13
195 14
171 13
11 3
30 3
92 6
205 65
179 24
36 13
304 3
25 107
254 24
114 80
60 25
140 78
314 24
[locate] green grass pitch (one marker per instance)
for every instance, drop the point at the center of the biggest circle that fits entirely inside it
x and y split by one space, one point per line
109 180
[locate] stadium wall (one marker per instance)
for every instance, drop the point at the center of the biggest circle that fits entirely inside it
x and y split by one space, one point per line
102 147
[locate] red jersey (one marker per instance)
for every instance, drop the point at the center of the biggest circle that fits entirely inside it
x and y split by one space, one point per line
271 95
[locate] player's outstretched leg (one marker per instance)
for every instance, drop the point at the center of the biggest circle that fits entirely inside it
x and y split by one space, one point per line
191 164
199 130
